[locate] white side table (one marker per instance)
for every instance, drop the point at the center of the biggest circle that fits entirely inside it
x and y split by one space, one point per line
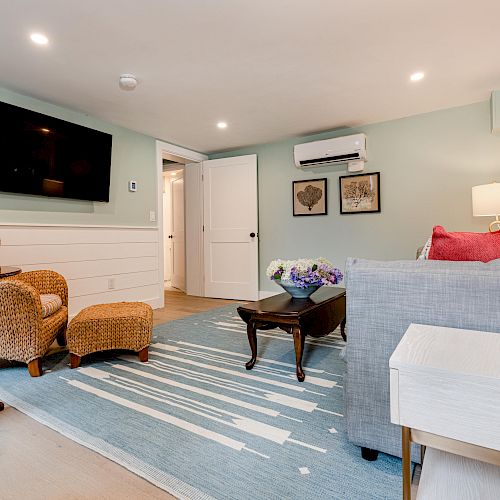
445 393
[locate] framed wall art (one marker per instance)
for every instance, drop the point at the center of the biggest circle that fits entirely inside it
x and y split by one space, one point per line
310 197
359 194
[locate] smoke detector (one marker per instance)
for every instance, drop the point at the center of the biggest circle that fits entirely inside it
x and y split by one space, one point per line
128 82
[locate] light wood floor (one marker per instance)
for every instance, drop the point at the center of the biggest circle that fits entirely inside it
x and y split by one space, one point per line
179 305
37 462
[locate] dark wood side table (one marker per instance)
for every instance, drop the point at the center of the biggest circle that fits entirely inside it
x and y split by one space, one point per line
316 316
6 271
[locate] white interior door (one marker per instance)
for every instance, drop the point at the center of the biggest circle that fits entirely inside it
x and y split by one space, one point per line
178 234
193 202
230 228
167 223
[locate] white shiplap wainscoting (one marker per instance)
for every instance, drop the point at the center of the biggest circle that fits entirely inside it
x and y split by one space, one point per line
100 263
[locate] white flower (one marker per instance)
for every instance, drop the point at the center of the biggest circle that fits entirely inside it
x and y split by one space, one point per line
281 270
274 267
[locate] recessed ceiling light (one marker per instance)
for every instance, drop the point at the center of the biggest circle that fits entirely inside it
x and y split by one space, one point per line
415 77
39 39
45 130
222 125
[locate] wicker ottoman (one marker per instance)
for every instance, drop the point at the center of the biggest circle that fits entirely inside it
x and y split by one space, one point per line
123 325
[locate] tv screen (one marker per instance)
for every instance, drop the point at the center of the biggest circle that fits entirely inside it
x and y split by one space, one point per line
42 155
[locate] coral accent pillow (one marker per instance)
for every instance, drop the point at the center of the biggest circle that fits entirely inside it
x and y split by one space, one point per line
464 246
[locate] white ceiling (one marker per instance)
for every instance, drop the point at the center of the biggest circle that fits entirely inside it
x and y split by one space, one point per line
270 68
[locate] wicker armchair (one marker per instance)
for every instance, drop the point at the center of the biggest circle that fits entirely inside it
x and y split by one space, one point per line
24 334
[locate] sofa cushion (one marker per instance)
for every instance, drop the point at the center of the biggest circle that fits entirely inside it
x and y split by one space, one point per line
51 303
482 247
424 253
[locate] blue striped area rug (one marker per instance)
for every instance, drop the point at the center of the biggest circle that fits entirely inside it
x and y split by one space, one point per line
194 422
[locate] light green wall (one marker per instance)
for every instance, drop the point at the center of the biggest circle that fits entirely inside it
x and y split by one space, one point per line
133 157
428 164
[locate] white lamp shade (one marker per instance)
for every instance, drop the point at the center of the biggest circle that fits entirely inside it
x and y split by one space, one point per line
486 200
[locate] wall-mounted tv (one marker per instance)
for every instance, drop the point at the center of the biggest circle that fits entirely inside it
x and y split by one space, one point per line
45 156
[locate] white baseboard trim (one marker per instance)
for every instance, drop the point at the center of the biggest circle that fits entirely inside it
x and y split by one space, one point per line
156 303
264 294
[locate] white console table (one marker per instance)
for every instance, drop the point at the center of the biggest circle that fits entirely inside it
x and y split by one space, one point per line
445 393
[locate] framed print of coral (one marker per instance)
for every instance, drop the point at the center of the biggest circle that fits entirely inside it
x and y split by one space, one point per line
309 197
359 194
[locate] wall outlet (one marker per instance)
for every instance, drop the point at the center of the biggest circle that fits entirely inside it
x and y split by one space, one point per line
111 283
152 216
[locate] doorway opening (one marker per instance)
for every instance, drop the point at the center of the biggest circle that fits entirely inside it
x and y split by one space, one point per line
208 245
180 224
174 233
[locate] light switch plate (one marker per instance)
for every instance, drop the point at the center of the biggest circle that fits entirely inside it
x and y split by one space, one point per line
132 186
152 216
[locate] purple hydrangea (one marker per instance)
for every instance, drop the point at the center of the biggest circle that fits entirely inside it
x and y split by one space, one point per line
305 272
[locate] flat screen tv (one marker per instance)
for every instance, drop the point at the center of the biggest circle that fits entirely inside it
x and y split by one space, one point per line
45 156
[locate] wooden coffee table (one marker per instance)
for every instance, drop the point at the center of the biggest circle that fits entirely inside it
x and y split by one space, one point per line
316 316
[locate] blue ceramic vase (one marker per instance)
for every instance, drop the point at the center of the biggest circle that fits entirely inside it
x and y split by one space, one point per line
299 293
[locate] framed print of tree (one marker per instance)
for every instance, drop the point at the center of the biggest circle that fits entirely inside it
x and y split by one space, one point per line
359 193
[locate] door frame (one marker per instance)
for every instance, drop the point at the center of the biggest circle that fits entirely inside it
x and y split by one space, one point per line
185 156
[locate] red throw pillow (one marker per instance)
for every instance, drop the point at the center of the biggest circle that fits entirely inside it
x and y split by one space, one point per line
464 246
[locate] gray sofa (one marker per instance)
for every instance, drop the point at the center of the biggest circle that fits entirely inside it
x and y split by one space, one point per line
383 298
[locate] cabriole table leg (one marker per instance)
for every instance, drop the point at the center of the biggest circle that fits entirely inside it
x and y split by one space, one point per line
342 330
298 342
252 340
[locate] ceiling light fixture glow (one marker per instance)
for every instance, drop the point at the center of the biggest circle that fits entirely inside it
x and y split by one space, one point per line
39 39
222 125
415 77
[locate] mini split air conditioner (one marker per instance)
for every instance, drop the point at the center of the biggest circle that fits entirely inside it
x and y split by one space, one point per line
350 149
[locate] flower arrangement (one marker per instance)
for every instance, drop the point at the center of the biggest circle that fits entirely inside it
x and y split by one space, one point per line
304 273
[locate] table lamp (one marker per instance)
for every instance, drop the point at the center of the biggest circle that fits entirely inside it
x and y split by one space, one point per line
486 202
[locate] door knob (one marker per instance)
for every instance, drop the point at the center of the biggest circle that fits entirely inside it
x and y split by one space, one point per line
252 235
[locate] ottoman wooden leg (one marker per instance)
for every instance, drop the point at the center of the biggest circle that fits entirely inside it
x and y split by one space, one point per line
74 360
35 367
143 354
